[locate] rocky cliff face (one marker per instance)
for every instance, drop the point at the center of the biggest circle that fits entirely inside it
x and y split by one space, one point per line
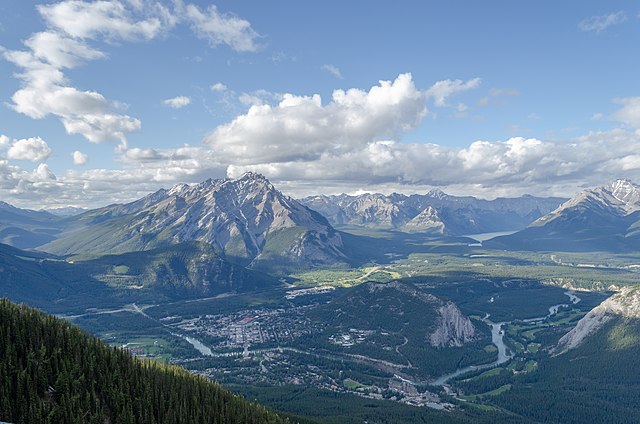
626 303
454 329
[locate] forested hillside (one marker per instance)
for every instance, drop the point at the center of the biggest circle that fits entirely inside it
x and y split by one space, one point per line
52 372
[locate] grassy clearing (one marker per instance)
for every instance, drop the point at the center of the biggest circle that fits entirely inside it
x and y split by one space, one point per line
353 385
530 366
491 373
500 390
345 277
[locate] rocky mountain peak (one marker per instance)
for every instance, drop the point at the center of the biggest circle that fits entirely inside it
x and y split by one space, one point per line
436 193
625 191
426 221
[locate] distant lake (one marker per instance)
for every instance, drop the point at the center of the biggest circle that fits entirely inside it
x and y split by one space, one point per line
480 237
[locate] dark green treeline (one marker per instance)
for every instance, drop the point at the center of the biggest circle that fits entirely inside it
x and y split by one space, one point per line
52 372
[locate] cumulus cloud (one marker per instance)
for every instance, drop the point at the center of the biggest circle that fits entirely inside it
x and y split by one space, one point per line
333 70
442 90
512 167
4 141
600 23
219 28
177 102
137 154
99 128
630 111
33 149
303 128
79 158
218 87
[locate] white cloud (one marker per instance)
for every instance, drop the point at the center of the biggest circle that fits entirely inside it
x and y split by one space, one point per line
79 158
512 167
442 90
137 154
33 149
333 70
65 44
302 128
630 111
110 19
602 22
177 102
99 128
219 28
4 141
60 51
218 87
45 90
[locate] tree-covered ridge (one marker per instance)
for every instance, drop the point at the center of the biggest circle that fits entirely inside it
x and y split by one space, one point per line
52 372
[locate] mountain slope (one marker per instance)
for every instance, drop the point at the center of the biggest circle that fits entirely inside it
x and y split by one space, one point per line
435 212
183 271
186 270
246 219
605 218
52 373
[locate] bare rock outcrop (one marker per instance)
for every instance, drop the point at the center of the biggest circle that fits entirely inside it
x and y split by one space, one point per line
454 329
625 303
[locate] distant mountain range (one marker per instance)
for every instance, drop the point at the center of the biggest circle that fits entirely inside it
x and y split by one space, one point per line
26 228
605 218
435 213
248 221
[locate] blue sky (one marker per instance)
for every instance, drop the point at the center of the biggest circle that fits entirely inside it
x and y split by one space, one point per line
105 101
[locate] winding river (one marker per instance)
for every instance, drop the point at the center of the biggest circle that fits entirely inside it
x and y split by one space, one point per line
497 338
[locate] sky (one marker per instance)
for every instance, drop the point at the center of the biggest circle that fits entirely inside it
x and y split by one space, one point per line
106 101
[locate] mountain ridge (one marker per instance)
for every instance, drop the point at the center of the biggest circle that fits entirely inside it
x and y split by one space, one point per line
447 215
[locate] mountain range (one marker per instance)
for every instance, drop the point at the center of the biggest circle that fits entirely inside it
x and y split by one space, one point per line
605 218
248 221
435 213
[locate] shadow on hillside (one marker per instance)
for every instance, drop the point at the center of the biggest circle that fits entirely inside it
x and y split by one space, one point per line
384 247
